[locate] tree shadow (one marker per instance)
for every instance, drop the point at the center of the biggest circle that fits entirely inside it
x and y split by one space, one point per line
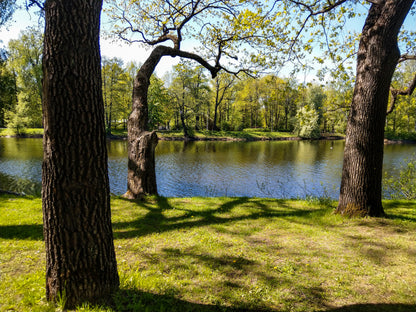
391 214
376 307
135 300
22 231
155 222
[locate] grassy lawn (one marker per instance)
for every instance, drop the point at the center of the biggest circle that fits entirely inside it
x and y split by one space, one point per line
229 254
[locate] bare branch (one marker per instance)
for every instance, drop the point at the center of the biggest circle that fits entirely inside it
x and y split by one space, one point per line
377 2
312 13
31 3
407 57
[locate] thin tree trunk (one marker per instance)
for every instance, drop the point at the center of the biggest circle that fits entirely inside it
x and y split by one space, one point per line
80 258
378 54
110 117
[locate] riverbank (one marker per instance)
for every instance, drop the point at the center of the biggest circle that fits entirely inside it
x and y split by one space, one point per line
229 254
203 135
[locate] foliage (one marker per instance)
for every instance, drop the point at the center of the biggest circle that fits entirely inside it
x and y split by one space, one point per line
336 108
7 8
228 254
7 87
161 109
190 94
25 62
17 119
402 120
307 123
117 86
403 186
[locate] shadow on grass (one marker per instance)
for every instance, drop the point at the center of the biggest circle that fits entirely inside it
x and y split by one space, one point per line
155 222
135 300
382 307
22 231
391 212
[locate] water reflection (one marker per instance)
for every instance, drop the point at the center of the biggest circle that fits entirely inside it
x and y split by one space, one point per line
255 169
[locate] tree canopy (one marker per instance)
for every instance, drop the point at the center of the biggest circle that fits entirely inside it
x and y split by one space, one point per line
7 8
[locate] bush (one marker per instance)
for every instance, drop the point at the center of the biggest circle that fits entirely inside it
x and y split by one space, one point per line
17 120
307 123
403 186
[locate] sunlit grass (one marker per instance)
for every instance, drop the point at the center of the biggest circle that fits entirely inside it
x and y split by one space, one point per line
229 254
29 132
246 134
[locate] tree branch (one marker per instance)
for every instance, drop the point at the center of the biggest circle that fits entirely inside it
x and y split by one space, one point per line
312 13
396 92
30 3
407 57
377 2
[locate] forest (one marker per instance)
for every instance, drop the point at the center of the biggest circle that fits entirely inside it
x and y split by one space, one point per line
187 97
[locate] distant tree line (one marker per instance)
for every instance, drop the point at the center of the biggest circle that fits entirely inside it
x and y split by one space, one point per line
186 98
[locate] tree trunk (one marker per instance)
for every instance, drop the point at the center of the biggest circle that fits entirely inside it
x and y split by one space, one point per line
141 176
214 123
378 54
80 258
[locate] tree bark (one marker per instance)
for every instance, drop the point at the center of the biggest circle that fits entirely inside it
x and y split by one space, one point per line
378 54
141 175
80 258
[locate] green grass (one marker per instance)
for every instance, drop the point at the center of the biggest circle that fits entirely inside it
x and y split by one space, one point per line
229 254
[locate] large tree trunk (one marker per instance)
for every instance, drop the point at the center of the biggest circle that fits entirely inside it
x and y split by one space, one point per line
378 54
80 258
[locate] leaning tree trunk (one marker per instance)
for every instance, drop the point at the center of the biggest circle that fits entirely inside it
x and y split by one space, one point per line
377 58
141 175
80 258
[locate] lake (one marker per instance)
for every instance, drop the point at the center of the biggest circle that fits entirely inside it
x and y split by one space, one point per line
280 169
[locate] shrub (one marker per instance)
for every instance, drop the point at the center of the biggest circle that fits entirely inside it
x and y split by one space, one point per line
307 123
403 186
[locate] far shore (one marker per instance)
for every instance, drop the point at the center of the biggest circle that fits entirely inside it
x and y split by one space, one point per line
205 135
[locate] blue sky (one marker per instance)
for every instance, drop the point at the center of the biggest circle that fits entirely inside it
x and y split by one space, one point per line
23 19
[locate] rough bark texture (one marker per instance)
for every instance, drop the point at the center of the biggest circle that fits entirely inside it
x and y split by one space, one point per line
80 258
141 175
378 54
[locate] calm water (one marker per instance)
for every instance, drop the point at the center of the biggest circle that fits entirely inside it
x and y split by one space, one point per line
254 169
